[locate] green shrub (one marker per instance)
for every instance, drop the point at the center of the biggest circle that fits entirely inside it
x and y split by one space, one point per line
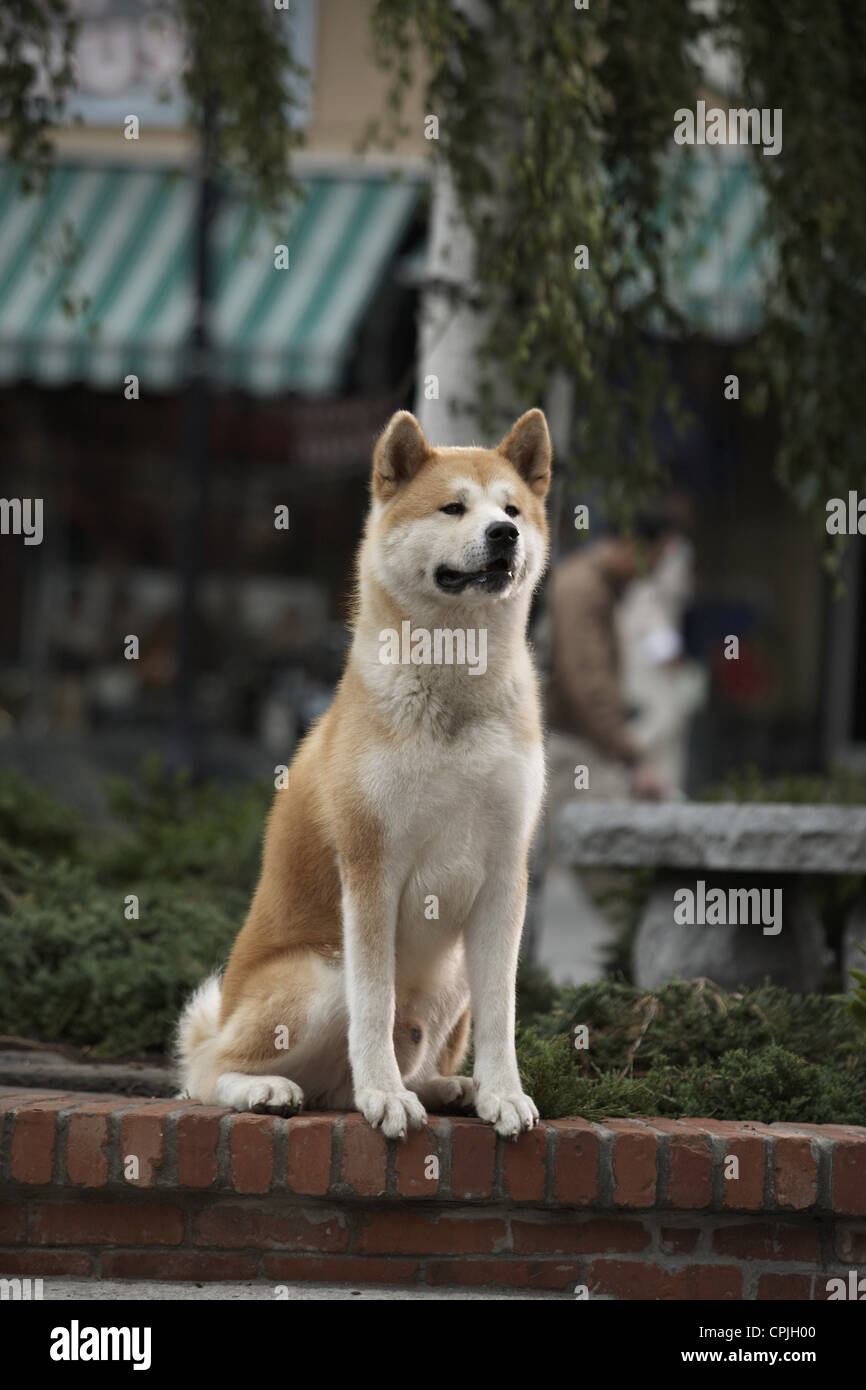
73 968
176 831
843 786
33 818
691 1048
76 970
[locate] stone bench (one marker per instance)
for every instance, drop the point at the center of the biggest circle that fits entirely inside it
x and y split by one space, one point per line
719 854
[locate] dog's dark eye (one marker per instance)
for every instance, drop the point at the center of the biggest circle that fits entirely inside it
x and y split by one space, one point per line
512 511
453 509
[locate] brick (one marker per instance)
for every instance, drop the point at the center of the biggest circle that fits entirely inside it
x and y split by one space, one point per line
851 1244
691 1165
198 1132
632 1279
19 1097
336 1269
421 1232
33 1140
847 1133
745 1192
768 1241
678 1240
87 1138
566 1237
795 1172
727 1129
691 1172
785 1286
525 1165
513 1274
251 1148
203 1266
577 1161
309 1165
270 1226
38 1263
849 1178
104 1223
13 1223
142 1136
634 1164
365 1157
87 1150
412 1159
473 1156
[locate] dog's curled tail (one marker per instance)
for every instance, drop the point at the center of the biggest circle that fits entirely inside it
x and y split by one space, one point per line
197 1032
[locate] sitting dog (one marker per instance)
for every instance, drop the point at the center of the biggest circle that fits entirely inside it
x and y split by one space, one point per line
394 872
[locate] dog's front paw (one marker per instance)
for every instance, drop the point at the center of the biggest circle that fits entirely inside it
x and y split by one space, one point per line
391 1111
508 1112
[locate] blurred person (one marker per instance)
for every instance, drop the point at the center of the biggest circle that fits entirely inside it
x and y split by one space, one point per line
587 714
662 687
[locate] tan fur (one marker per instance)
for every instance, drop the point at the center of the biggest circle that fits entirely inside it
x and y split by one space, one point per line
451 1057
343 836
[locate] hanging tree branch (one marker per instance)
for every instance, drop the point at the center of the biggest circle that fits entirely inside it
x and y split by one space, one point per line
576 108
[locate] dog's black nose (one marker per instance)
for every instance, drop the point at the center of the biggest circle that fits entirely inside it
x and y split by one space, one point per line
502 535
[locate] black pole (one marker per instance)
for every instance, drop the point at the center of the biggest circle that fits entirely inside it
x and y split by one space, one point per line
195 471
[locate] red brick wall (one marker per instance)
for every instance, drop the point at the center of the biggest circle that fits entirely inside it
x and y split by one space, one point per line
629 1209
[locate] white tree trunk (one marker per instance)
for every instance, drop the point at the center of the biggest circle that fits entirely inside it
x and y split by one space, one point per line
450 330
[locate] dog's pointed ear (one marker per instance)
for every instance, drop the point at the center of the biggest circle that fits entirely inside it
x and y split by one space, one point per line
399 453
528 449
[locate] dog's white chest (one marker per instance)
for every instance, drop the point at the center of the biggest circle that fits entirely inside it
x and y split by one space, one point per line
451 809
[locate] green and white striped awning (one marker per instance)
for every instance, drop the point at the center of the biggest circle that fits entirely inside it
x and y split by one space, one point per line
96 272
96 279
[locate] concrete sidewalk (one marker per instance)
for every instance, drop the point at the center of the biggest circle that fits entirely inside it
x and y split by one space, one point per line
148 1290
